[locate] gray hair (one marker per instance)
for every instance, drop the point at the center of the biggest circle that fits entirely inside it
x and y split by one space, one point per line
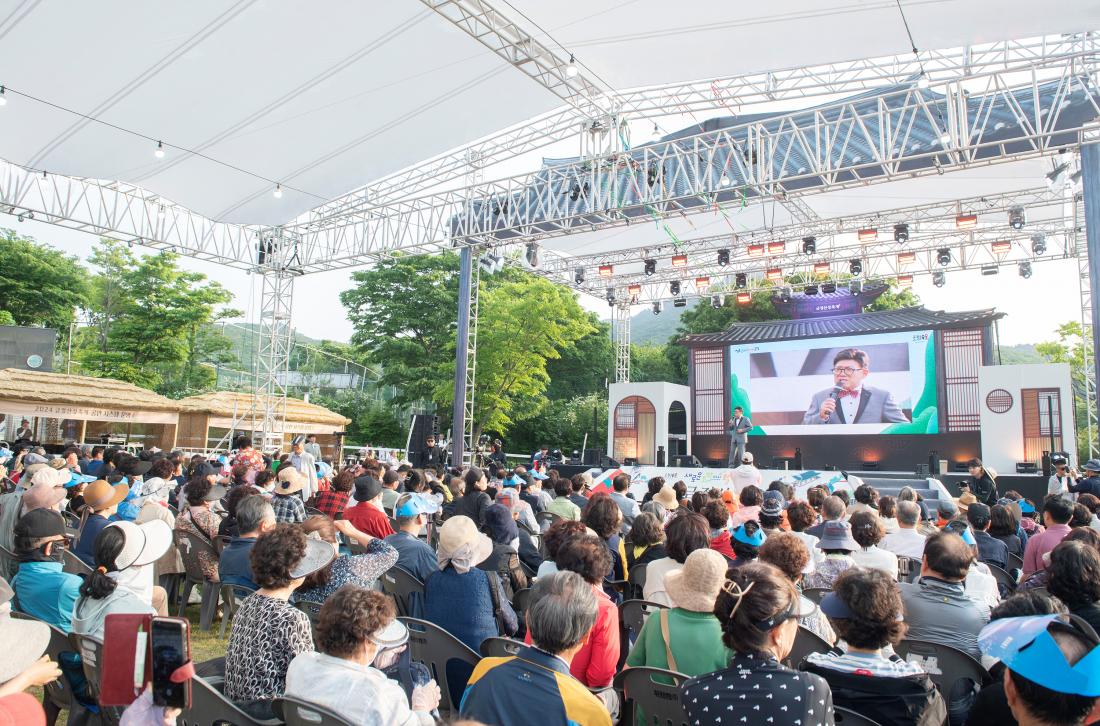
252 512
656 509
907 494
561 612
908 513
832 508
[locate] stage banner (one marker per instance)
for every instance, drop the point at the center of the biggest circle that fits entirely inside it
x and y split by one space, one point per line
699 478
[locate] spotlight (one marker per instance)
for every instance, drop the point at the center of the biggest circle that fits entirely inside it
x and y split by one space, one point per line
610 296
901 233
1056 177
716 301
855 287
674 287
650 267
1039 244
532 254
810 289
741 281
1025 269
855 267
906 258
822 268
491 263
943 256
571 70
966 221
990 270
3 98
828 288
607 270
1001 247
159 151
723 258
679 302
905 281
754 250
939 279
774 273
578 275
777 248
657 308
634 290
1016 218
679 260
744 298
278 193
809 245
785 294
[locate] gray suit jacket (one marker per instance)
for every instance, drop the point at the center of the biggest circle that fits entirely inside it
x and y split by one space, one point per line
741 436
875 406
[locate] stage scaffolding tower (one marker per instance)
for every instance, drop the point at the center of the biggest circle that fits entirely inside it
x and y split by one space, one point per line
276 256
620 334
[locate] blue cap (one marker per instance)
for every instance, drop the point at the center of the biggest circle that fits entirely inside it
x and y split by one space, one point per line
1026 646
743 537
410 505
1026 507
513 481
78 478
968 537
538 475
323 470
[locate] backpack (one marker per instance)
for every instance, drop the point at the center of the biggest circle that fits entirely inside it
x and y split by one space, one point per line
904 700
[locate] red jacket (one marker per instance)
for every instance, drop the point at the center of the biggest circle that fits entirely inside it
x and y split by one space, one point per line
368 518
722 544
594 664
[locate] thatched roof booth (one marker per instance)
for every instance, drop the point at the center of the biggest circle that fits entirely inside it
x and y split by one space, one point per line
61 408
207 418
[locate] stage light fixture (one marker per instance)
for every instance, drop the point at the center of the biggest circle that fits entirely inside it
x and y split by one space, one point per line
905 281
571 70
679 260
822 268
939 279
3 98
278 192
607 270
754 250
650 267
855 287
1016 218
159 151
867 235
679 302
741 281
1056 177
785 294
809 245
906 258
657 307
674 287
828 288
723 258
1001 247
901 232
775 273
943 256
491 263
532 254
1025 269
966 221
777 248
634 290
716 301
610 296
810 289
578 276
1039 244
990 270
744 298
724 181
855 267
702 284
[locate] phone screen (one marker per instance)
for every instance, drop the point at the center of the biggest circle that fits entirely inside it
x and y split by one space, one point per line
170 651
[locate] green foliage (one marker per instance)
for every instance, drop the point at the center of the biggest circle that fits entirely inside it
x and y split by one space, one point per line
563 423
895 297
651 363
371 422
6 318
586 366
39 286
1070 348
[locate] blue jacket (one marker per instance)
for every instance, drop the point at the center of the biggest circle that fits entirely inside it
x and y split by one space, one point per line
474 621
234 567
547 694
47 593
413 555
85 546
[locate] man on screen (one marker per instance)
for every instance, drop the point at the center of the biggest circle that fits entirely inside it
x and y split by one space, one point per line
849 401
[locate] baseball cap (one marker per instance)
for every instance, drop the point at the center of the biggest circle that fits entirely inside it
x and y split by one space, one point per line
1025 645
746 458
39 523
947 508
411 505
1026 507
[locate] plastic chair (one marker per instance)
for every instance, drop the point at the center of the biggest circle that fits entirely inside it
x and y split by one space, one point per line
633 613
660 701
908 569
545 519
1004 579
1015 562
636 578
944 664
56 696
849 717
74 565
300 713
190 547
209 706
806 641
400 584
497 647
439 650
90 650
230 595
815 594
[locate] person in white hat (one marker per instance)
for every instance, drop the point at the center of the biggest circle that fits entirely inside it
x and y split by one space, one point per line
23 643
119 547
46 490
746 473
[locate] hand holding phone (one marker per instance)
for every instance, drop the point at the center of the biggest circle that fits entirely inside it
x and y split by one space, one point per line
171 649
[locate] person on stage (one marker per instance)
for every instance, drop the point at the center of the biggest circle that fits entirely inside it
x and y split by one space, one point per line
738 428
849 401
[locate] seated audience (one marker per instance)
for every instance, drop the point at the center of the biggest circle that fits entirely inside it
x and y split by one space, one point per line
504 559
838 545
832 510
1056 515
685 534
991 551
361 570
866 497
474 501
746 542
155 492
562 612
579 484
357 636
620 486
562 505
559 533
907 541
867 531
229 527
718 519
759 609
909 494
101 501
414 555
801 516
1003 527
750 498
772 512
334 500
199 520
44 591
1042 578
287 497
790 554
254 517
367 515
865 609
1075 579
605 518
888 514
646 541
485 610
268 632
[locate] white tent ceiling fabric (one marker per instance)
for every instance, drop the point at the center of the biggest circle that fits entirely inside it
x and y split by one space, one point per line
325 97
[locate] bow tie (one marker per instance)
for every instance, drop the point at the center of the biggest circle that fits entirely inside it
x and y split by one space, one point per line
853 394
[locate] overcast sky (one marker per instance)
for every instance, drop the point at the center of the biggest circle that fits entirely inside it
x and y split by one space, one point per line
1034 307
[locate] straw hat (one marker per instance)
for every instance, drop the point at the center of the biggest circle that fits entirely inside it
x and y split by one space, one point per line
21 641
289 480
695 586
460 532
47 489
101 495
667 498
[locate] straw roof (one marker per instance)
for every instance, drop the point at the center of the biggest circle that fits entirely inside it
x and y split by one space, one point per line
40 386
226 403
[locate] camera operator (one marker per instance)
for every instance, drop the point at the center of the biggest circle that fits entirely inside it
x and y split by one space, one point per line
1090 482
1063 475
496 454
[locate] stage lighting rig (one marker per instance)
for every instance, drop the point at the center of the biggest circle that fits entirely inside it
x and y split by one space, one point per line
828 288
674 287
811 289
657 307
901 233
578 276
939 279
532 254
741 281
988 270
1039 245
723 258
650 267
1016 218
809 245
785 294
610 296
679 302
855 267
716 301
855 287
943 256
1025 269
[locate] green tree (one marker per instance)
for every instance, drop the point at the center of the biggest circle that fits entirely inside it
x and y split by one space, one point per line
585 367
111 260
371 422
6 318
563 423
651 363
1070 348
39 285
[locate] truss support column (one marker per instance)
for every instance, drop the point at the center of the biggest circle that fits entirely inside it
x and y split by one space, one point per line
462 351
620 334
1090 166
273 356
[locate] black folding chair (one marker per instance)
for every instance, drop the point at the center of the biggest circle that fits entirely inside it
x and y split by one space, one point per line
73 564
91 650
1005 581
300 713
944 664
190 546
659 699
449 659
400 584
1015 562
633 613
497 647
806 641
546 518
849 717
814 594
636 578
209 706
908 569
231 594
57 696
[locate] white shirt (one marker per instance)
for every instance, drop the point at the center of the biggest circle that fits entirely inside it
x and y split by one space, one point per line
655 572
905 542
811 544
1058 486
981 588
745 475
850 404
874 558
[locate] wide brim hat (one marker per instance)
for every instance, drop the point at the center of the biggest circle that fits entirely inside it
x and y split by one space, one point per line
46 490
1092 465
154 485
838 536
289 480
965 500
666 497
143 543
318 554
76 479
393 635
133 466
460 530
100 494
21 641
696 585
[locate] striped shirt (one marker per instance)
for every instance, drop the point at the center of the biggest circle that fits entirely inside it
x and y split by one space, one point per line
864 664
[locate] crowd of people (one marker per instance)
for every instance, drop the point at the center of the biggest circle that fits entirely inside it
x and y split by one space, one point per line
735 581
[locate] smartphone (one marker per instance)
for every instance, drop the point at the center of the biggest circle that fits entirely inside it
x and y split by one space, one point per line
171 641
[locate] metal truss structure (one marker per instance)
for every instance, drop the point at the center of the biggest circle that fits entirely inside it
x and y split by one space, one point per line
620 335
276 256
1087 348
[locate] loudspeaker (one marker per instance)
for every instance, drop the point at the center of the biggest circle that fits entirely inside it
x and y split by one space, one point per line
922 471
608 463
686 461
420 426
591 457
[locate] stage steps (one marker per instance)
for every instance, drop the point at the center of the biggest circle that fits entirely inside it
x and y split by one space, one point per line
891 488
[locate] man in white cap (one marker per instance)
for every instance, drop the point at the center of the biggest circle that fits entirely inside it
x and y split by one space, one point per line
746 474
306 464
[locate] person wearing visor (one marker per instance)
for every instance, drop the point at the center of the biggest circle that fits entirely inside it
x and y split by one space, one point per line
43 589
414 555
759 609
746 542
358 637
122 551
46 491
849 401
1063 475
1052 668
